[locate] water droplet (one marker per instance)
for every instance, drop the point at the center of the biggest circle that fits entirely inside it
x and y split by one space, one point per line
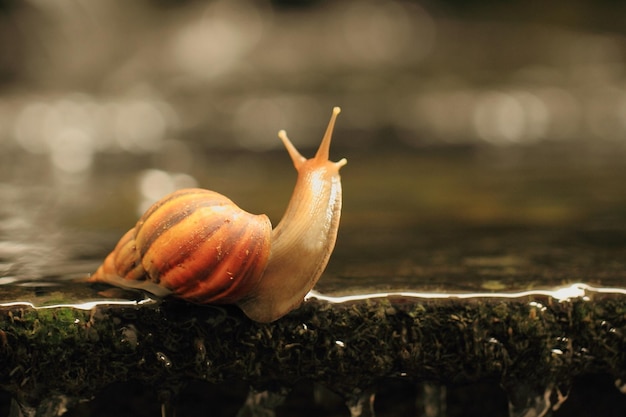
162 357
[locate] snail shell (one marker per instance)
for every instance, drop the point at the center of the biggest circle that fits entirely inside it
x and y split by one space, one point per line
212 238
197 245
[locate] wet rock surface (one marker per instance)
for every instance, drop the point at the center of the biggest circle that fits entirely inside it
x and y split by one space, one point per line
533 345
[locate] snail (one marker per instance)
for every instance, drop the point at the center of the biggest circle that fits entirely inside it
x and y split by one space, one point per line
197 245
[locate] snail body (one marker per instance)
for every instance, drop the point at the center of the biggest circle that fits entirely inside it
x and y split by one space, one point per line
197 245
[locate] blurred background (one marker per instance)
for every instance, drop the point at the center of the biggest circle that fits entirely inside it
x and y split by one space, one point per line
485 138
471 110
83 78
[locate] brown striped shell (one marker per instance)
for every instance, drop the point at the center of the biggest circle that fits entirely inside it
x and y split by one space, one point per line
194 244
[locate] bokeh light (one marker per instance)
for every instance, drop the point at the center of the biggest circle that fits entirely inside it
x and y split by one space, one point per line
153 184
218 39
171 84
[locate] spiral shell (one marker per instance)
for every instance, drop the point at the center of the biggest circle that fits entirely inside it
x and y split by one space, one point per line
194 244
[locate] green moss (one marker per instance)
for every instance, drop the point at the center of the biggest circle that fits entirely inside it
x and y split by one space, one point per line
341 346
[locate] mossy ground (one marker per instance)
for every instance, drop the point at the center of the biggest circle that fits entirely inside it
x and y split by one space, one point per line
534 340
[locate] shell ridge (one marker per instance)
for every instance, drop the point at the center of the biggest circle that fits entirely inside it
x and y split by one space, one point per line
240 268
151 227
170 266
200 286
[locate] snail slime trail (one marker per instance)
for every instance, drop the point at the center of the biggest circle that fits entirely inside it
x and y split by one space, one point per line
197 245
